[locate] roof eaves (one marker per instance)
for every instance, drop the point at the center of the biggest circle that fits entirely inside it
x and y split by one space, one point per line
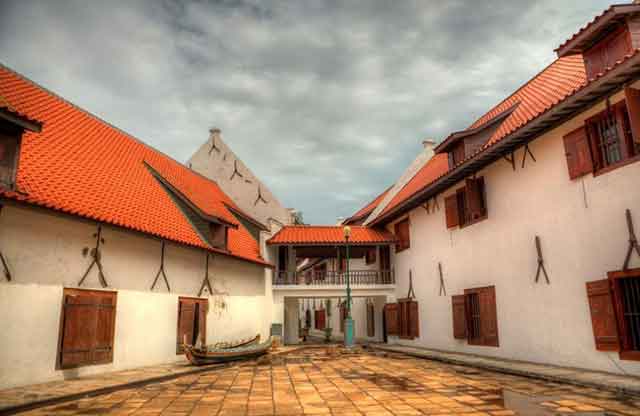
580 99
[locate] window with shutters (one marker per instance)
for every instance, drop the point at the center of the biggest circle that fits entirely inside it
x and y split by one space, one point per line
391 319
192 322
10 138
614 304
457 154
468 205
611 139
475 316
408 322
370 256
371 323
402 235
87 327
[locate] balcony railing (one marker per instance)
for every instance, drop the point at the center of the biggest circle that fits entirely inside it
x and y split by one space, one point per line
321 278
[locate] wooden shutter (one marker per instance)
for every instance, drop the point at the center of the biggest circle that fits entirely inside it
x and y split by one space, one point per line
633 109
88 327
488 316
186 323
451 211
474 198
459 316
402 234
391 318
603 318
414 321
105 328
371 326
577 152
403 318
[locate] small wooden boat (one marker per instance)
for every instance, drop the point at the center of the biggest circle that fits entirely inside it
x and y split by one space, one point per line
203 356
236 344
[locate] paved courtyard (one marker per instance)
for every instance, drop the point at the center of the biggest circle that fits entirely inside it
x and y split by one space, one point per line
323 382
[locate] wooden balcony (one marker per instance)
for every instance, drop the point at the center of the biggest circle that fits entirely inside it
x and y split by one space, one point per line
332 278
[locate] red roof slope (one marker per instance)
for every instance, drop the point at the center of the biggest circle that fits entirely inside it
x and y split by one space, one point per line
330 234
433 169
81 165
553 84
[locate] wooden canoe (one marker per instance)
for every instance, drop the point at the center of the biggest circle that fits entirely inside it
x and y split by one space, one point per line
198 356
236 344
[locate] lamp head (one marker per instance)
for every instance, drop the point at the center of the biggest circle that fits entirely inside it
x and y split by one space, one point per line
347 232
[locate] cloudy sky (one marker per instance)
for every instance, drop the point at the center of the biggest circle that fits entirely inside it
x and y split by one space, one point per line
327 102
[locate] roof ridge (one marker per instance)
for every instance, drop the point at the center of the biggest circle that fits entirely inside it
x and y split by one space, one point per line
100 119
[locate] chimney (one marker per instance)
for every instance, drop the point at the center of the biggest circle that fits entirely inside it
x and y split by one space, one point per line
429 144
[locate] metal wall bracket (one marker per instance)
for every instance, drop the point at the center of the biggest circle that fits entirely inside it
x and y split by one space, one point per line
633 241
443 289
236 172
205 282
540 262
96 254
411 294
260 197
161 271
511 159
213 145
524 155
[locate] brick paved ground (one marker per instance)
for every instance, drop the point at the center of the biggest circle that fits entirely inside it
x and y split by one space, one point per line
319 382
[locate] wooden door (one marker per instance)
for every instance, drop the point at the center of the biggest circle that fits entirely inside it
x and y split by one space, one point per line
192 322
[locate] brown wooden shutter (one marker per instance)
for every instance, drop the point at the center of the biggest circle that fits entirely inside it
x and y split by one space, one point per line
202 320
186 322
633 109
488 316
451 211
403 318
371 326
88 327
105 329
474 198
391 318
578 153
603 318
414 321
459 316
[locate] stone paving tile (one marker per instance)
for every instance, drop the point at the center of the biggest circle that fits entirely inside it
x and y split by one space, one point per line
314 382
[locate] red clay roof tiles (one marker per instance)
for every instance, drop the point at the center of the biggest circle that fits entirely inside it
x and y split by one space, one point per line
79 164
318 234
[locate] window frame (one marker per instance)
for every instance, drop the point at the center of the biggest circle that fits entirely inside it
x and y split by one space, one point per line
614 278
475 334
464 214
627 148
371 256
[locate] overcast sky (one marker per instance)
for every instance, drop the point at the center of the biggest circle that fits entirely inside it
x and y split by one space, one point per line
326 102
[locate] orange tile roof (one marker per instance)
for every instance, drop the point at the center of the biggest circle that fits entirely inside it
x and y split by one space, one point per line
81 165
368 209
435 167
329 234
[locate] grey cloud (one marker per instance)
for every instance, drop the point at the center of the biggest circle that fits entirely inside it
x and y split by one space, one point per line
326 101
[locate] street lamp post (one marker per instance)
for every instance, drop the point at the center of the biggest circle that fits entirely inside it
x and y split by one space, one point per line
348 322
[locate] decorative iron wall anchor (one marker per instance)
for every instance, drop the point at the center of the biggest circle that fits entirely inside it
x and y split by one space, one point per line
540 262
205 281
511 159
633 241
161 271
411 294
443 290
213 145
236 172
524 155
96 254
260 197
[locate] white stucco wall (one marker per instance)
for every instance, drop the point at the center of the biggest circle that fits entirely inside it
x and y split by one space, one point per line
44 251
580 243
